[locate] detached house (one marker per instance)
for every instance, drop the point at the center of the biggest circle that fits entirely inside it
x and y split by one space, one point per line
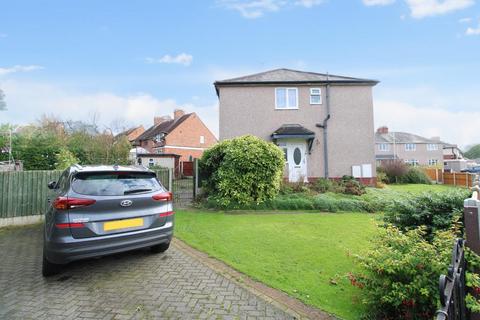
410 148
323 123
184 135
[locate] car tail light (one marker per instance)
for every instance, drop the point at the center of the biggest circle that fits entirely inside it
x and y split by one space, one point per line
164 196
65 203
166 214
69 225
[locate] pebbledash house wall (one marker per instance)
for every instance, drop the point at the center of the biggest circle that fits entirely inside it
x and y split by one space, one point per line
421 153
184 140
351 141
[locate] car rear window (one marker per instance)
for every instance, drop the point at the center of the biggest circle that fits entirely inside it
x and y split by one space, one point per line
115 183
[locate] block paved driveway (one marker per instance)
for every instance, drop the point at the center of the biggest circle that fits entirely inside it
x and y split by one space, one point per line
133 285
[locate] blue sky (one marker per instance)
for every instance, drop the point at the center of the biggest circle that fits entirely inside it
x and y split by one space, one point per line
123 62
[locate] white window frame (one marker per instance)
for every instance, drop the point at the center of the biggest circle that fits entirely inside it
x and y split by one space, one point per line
432 147
202 139
432 162
287 107
383 147
412 162
410 147
319 94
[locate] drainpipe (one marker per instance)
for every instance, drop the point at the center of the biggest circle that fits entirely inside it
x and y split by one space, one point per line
323 125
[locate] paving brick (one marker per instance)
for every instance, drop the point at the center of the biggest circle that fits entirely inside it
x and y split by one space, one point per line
132 285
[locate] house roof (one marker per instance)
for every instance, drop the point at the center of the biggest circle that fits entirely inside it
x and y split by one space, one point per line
164 127
289 76
127 132
402 137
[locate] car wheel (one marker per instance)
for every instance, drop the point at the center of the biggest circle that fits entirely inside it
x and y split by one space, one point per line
50 269
160 247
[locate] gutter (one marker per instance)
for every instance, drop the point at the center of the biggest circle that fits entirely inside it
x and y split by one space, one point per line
324 126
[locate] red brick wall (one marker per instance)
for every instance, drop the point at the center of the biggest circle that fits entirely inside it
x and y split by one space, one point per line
187 134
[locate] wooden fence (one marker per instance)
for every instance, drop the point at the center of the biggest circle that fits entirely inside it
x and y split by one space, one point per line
460 179
25 193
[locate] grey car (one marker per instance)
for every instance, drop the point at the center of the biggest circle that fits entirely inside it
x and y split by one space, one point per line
100 210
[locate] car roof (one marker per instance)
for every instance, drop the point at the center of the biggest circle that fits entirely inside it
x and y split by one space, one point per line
107 168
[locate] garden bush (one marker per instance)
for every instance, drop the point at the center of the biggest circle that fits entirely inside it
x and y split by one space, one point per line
400 273
415 175
243 170
322 185
394 170
349 185
435 211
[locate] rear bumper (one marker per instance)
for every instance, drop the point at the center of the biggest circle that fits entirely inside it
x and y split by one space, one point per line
67 249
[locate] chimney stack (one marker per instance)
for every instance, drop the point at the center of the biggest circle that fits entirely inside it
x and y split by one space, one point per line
158 120
178 113
382 130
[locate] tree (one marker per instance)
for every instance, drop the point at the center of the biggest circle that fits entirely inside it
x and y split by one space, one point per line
3 104
473 152
65 159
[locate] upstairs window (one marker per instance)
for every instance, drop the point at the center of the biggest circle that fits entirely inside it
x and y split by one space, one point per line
412 162
202 139
410 147
315 96
286 98
383 147
432 147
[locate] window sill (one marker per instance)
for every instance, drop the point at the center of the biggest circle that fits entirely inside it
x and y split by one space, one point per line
286 108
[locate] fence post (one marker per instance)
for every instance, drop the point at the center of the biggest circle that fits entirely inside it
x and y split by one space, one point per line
170 180
454 179
472 226
195 178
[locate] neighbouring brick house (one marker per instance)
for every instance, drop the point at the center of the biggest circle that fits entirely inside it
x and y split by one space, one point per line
132 134
185 135
410 148
323 123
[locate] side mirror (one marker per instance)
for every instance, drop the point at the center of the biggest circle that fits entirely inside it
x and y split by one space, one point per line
52 185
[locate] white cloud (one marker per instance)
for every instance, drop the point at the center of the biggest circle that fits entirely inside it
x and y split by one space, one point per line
19 68
28 101
377 2
308 3
252 9
428 122
428 8
182 58
465 20
473 31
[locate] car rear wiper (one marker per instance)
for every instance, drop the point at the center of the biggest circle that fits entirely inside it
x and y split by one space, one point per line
136 190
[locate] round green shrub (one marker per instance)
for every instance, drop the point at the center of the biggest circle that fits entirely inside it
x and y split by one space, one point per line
415 175
242 170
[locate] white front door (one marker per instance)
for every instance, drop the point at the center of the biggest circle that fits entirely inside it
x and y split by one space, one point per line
297 161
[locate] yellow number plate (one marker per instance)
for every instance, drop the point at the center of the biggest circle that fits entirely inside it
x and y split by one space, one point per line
122 224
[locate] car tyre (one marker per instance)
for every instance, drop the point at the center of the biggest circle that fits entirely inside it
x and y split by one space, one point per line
50 269
159 248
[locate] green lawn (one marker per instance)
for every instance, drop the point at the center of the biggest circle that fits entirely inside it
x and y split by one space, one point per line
303 254
418 188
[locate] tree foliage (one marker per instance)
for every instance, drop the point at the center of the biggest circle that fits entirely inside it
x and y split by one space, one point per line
65 158
242 170
3 104
51 144
473 152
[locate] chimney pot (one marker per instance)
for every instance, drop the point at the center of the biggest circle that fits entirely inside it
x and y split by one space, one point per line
382 130
177 113
158 120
